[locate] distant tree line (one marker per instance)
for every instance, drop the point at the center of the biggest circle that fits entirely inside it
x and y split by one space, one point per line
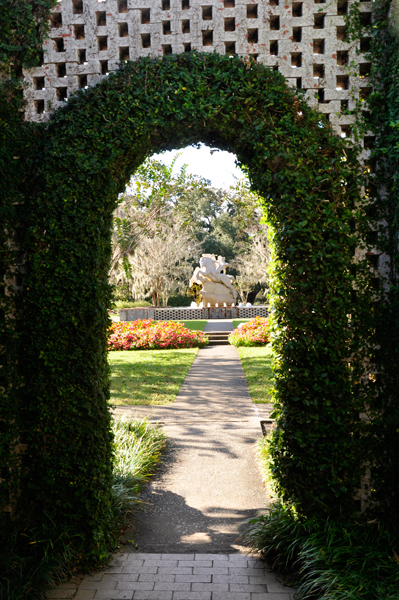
165 221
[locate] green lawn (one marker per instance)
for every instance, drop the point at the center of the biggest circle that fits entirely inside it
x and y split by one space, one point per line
256 363
148 376
193 325
237 322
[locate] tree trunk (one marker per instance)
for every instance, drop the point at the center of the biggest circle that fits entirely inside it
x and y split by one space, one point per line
252 295
158 292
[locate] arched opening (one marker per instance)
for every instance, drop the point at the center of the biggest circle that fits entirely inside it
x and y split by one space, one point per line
177 206
308 181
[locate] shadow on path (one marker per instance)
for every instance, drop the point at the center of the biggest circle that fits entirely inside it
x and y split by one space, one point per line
208 488
170 524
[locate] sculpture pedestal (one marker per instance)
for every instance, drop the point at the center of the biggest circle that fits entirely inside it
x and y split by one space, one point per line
216 293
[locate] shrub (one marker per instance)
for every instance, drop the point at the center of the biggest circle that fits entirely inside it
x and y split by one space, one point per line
253 333
118 304
148 335
179 300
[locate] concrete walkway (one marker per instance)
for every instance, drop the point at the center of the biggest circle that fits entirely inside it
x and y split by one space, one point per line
187 543
215 389
219 325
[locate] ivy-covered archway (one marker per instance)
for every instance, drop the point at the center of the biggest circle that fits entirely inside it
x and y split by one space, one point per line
308 179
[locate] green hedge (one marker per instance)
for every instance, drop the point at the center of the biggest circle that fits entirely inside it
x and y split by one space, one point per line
383 187
82 159
23 28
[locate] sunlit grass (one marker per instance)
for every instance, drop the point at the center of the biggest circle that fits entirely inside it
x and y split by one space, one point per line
237 322
256 362
148 376
195 325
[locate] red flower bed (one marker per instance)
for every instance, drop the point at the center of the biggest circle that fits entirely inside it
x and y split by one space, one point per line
149 335
254 333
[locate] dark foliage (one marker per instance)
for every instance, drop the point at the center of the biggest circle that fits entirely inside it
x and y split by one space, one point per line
329 559
384 107
382 187
23 29
82 161
69 178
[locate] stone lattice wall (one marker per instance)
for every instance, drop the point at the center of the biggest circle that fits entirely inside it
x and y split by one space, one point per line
303 40
212 312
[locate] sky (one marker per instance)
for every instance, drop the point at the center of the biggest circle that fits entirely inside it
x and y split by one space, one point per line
219 167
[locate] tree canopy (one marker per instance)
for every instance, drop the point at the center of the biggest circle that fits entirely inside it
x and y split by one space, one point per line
157 201
220 218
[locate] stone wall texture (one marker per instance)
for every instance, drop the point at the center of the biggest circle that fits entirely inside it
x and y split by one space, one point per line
305 41
185 313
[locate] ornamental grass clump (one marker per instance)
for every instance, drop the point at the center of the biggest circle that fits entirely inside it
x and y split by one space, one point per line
148 335
254 333
137 449
329 559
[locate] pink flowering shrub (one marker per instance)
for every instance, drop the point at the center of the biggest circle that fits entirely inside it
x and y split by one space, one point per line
147 335
254 333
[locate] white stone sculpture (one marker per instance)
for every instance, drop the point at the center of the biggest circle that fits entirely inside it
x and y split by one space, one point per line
217 287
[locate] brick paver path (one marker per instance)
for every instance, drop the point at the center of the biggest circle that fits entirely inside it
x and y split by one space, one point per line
180 577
